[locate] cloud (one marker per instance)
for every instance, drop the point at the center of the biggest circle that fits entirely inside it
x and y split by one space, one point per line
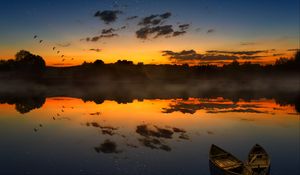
219 57
177 33
155 19
152 27
108 31
165 15
212 55
145 32
198 29
184 26
108 16
293 50
247 43
278 54
63 44
182 29
112 30
97 38
109 35
210 31
96 50
157 31
254 52
121 28
183 55
250 57
131 17
94 39
163 30
150 20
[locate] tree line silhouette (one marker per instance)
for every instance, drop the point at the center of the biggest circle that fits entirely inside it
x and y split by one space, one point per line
29 66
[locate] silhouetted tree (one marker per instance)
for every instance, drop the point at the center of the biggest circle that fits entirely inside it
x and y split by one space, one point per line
84 63
297 57
234 64
124 62
26 60
98 62
281 61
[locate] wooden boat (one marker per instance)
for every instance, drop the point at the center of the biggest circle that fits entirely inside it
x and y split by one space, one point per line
259 161
224 163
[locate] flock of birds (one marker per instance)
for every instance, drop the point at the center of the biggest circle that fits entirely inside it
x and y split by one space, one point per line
54 49
59 117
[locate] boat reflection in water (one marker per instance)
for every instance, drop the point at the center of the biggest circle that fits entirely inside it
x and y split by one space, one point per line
223 163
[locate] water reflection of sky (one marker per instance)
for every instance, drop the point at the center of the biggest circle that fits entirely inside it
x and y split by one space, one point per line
67 135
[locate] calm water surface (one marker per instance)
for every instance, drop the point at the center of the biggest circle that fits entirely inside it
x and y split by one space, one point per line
68 135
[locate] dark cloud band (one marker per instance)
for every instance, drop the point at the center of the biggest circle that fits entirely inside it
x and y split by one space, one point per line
212 55
108 16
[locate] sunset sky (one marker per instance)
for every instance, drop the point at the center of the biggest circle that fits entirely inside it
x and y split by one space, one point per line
150 31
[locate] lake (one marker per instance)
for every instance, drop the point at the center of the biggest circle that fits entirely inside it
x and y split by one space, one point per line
151 136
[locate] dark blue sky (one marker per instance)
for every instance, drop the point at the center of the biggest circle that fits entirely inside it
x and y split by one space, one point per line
71 20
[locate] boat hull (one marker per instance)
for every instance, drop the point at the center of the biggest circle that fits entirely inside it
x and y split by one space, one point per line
259 161
215 170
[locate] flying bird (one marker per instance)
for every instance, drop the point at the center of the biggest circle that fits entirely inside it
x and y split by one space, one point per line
72 59
58 52
62 56
53 48
62 61
41 41
35 36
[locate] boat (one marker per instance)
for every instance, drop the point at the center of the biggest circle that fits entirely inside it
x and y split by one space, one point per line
259 161
223 163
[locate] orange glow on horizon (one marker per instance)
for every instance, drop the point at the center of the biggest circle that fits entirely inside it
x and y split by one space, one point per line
148 52
55 104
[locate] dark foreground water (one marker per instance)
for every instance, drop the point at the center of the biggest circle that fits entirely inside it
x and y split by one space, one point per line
64 135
